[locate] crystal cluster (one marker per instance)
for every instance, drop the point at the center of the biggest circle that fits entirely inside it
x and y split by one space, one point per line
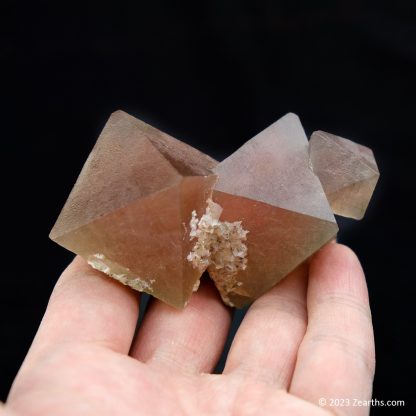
220 244
154 213
220 248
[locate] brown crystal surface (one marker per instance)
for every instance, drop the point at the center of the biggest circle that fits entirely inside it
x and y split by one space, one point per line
141 209
129 211
268 185
347 170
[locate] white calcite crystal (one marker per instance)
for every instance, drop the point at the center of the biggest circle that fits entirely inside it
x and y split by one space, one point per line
220 247
99 262
220 244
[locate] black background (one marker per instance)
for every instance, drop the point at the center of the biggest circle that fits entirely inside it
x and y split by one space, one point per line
212 75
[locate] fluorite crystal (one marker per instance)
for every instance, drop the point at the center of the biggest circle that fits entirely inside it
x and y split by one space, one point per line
268 185
141 210
129 210
347 170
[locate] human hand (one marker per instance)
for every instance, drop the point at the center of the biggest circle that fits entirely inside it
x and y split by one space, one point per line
309 337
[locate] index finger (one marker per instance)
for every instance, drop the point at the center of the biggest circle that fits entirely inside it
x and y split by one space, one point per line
86 306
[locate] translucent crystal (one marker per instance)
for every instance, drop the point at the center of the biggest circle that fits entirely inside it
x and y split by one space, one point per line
128 214
268 185
347 170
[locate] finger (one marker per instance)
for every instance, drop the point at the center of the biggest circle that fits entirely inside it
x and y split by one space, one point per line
336 358
267 341
186 341
88 306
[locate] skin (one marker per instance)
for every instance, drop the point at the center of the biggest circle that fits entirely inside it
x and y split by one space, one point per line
309 337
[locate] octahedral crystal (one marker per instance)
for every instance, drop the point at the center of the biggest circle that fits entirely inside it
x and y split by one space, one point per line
267 184
347 170
129 210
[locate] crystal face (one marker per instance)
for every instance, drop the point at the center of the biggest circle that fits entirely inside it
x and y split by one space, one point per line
154 213
129 210
347 170
268 185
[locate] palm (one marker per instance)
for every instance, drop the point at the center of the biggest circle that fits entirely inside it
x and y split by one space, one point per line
104 382
288 352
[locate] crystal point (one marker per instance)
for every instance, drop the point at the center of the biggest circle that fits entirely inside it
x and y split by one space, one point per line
347 170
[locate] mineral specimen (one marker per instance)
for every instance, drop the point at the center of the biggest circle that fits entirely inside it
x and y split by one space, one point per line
129 210
268 185
348 172
154 213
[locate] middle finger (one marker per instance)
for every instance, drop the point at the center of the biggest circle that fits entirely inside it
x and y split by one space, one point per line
266 344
